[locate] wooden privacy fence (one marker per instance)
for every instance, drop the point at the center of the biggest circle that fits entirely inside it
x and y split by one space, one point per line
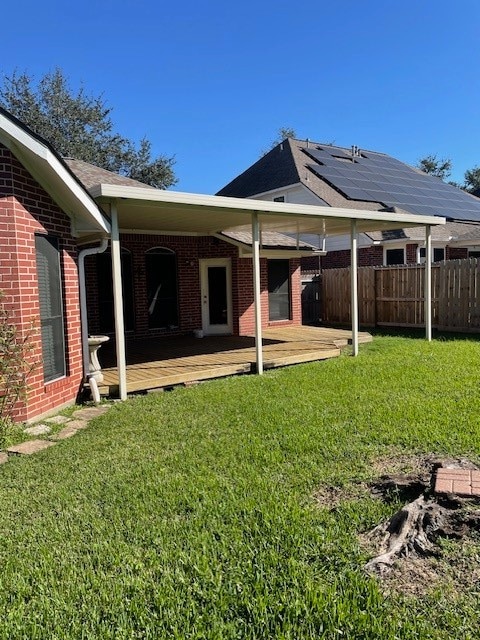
394 295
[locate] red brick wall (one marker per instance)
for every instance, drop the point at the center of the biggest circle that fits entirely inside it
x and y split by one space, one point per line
411 253
367 257
456 253
189 251
26 209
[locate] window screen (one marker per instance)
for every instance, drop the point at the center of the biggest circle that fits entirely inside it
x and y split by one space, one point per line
51 307
278 290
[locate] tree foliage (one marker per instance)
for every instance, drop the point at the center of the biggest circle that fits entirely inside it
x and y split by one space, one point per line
472 180
282 134
441 168
79 125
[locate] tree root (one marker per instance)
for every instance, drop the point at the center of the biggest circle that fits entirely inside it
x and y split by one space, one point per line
416 528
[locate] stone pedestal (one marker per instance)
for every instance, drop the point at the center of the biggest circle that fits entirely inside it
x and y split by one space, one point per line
94 344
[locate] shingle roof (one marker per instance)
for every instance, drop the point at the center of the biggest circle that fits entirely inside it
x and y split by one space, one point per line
91 176
440 233
270 240
369 180
273 170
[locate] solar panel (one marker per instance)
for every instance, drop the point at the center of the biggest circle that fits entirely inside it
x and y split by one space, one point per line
374 177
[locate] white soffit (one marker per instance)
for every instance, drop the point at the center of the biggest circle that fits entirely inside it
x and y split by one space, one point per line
54 177
147 209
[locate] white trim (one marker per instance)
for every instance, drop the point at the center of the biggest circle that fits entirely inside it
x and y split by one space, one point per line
208 328
33 154
263 207
390 248
160 232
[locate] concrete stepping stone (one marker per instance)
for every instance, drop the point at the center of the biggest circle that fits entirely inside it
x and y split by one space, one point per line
3 457
57 419
90 412
66 432
38 430
29 447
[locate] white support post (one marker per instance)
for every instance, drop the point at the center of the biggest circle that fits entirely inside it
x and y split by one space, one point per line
257 292
118 304
354 286
428 283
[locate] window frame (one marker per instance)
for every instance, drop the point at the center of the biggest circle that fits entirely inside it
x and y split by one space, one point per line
58 345
274 295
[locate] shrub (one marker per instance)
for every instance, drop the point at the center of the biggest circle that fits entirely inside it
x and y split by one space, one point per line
14 367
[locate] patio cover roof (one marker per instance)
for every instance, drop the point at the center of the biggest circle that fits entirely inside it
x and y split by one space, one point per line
145 209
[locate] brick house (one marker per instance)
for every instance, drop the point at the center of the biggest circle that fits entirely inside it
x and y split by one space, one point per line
299 171
84 251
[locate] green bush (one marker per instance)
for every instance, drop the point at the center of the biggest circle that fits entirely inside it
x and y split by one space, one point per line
14 367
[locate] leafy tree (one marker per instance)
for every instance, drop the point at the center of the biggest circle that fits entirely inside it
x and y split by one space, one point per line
79 125
472 180
441 168
282 134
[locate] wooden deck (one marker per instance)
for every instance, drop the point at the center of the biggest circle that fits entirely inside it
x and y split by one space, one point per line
165 362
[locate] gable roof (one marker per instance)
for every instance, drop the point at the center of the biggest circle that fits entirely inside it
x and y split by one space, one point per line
50 171
367 178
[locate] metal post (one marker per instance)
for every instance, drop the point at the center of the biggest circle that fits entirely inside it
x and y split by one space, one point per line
118 304
354 286
428 283
257 292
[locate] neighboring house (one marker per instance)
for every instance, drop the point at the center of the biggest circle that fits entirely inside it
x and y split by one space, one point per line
299 171
185 262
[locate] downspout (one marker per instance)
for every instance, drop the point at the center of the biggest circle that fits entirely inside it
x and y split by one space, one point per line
83 314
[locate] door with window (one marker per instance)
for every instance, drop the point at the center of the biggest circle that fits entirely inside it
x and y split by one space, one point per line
216 292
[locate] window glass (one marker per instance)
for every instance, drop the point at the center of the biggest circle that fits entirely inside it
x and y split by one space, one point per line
161 268
278 290
394 256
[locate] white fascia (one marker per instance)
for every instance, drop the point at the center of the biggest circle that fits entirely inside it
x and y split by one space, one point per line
263 207
35 156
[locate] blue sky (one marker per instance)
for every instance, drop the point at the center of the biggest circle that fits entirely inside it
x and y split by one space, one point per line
212 82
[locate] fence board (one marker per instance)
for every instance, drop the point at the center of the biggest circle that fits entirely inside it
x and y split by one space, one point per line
394 295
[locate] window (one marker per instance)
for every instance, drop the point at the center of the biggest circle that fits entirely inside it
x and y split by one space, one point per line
279 199
105 291
161 268
474 254
438 254
278 290
394 256
51 307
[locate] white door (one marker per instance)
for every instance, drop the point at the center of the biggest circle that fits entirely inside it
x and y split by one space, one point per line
216 290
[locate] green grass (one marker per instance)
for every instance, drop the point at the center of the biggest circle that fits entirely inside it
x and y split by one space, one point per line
191 514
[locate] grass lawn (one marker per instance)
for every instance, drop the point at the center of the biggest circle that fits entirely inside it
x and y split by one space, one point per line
192 514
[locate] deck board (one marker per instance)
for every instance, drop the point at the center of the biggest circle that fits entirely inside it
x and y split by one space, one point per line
166 362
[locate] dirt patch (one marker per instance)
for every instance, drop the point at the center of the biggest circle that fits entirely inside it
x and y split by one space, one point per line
433 542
